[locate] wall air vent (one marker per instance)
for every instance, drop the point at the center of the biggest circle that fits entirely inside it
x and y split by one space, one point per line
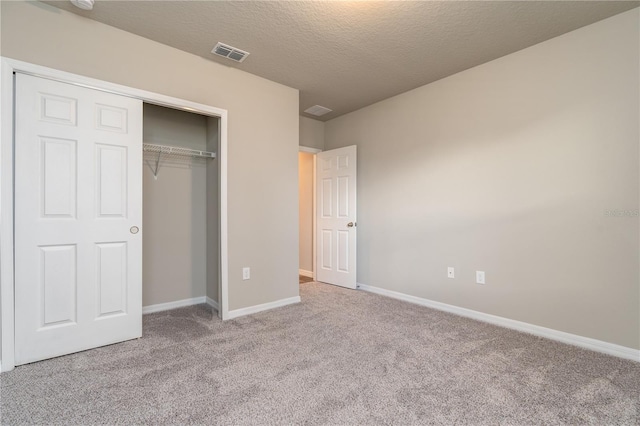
317 110
230 52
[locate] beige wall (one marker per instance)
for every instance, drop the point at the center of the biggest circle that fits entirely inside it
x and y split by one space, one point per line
213 212
263 128
305 197
1 53
174 210
311 133
509 168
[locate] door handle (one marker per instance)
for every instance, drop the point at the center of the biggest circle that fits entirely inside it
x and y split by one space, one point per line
134 229
351 224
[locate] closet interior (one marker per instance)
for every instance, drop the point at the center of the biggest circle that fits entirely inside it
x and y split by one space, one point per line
180 208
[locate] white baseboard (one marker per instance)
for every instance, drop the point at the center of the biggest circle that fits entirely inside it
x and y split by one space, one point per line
560 336
173 305
264 307
212 303
304 273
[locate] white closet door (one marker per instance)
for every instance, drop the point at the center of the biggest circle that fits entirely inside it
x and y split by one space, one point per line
78 213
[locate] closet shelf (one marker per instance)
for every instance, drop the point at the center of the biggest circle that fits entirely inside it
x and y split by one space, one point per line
170 153
166 150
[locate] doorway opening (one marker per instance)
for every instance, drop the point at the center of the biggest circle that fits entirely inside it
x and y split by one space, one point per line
336 187
306 221
327 197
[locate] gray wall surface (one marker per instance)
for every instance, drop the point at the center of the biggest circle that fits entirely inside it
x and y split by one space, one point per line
510 168
1 53
174 243
213 213
263 130
311 133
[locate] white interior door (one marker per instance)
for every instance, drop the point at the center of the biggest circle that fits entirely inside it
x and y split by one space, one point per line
78 212
336 216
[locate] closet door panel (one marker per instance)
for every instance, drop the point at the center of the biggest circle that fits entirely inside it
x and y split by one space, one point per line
111 169
112 265
58 167
78 196
111 118
58 285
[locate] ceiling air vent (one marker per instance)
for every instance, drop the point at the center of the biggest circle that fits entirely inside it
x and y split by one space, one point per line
230 52
317 110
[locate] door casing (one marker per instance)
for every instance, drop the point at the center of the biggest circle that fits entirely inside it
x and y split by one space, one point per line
7 90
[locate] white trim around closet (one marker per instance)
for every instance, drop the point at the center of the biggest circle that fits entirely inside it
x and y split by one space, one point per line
8 68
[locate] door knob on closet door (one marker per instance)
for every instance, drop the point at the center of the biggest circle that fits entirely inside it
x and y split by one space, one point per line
350 225
134 229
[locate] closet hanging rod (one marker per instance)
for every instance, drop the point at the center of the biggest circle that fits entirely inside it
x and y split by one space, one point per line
175 150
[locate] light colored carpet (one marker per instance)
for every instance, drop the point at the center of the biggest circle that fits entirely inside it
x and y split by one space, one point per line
339 357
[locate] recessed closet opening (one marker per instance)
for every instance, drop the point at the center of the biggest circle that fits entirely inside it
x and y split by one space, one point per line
180 245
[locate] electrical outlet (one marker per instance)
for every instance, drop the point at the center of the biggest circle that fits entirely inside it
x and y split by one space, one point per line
479 277
246 273
451 272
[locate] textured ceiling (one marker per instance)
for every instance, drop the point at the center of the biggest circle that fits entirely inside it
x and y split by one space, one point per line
346 55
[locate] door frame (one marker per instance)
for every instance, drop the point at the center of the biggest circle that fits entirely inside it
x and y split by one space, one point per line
313 151
7 89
